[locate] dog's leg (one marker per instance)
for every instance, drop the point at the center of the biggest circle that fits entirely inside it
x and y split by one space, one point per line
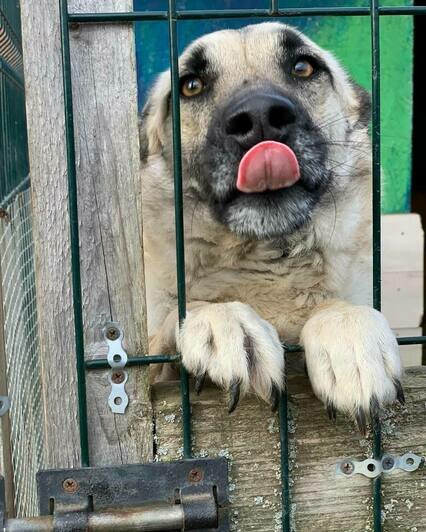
352 359
233 346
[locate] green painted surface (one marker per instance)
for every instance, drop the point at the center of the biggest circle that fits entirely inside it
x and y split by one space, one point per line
349 38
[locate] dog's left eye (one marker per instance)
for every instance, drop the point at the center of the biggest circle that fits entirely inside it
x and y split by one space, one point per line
302 69
191 86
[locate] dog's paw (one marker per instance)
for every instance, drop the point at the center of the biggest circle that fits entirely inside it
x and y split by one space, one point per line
352 360
236 348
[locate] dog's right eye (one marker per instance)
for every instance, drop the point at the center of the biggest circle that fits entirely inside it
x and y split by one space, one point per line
191 86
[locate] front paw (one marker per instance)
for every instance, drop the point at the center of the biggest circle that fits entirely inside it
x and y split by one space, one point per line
353 360
236 348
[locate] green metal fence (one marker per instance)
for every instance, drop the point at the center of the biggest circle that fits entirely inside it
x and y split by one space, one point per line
173 16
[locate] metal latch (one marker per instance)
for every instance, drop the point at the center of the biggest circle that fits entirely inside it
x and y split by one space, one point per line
185 495
373 468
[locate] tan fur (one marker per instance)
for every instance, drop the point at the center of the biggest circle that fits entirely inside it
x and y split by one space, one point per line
326 261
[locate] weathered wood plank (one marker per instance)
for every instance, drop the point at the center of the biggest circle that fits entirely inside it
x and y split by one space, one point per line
107 146
104 85
321 499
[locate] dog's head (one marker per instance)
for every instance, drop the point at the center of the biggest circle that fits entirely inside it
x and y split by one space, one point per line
270 124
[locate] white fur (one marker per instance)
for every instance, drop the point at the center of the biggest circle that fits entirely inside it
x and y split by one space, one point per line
351 355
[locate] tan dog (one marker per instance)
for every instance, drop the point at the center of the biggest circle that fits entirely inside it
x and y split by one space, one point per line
277 209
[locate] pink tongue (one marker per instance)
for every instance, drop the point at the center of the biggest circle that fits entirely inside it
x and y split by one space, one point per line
269 165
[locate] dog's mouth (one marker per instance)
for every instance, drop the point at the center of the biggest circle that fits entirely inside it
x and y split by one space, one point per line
267 166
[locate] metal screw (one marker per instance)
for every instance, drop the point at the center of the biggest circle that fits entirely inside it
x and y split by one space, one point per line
195 475
70 485
112 333
347 468
388 462
117 377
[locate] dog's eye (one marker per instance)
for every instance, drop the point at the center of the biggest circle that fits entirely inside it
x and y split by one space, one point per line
191 86
303 69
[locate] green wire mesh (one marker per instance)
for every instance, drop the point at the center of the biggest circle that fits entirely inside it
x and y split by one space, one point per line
22 350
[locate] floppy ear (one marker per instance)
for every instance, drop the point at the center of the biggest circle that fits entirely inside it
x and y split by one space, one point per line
153 117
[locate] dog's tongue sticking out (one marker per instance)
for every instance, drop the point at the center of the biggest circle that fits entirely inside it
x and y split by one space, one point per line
269 165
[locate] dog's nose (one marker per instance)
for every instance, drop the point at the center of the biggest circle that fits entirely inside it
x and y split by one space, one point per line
259 117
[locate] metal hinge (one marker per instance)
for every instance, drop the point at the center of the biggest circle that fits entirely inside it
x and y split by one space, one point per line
373 468
185 495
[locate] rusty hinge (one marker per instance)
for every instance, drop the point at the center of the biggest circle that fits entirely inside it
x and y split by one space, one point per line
185 495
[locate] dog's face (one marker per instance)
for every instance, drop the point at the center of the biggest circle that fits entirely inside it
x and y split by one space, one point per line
270 126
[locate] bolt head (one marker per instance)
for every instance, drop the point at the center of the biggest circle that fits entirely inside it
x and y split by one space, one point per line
117 377
195 475
347 468
388 462
112 333
70 485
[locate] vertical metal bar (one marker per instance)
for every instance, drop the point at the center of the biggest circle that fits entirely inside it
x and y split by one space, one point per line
376 169
273 7
179 222
75 240
285 483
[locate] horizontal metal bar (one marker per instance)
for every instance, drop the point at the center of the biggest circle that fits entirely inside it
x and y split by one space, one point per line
148 518
102 363
201 14
411 340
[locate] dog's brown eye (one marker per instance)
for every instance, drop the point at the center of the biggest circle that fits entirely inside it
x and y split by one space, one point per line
192 86
303 69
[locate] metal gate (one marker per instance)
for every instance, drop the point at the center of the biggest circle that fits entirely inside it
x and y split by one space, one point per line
173 16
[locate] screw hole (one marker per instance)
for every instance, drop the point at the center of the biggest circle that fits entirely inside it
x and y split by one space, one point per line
371 467
118 401
117 358
409 461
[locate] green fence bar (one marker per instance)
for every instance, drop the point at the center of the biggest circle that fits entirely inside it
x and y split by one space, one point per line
75 240
285 481
133 16
376 169
179 223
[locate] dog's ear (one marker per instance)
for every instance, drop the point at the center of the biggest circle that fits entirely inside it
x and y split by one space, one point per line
364 105
153 117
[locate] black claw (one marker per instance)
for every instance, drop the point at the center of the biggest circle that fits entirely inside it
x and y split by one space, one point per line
375 412
361 421
199 383
399 392
275 398
234 395
331 411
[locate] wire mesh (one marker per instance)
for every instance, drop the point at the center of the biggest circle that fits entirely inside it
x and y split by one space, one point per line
22 349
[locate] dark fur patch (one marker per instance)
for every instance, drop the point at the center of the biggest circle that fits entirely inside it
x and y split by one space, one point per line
364 100
197 62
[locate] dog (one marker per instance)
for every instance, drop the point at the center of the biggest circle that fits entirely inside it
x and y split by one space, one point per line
277 212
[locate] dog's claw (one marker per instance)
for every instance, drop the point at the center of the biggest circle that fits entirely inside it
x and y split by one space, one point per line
275 398
361 421
331 411
199 383
234 395
400 397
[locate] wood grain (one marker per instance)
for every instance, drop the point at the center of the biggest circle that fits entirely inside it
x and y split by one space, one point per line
321 499
105 111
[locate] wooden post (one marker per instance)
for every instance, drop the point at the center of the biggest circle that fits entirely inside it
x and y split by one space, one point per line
105 111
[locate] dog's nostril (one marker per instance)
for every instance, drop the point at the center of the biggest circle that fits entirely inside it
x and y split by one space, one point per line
280 116
240 124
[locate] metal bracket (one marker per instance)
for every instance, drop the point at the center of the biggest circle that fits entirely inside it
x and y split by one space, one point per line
4 404
372 468
117 359
185 495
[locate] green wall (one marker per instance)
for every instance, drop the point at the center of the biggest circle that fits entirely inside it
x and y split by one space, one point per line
349 38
